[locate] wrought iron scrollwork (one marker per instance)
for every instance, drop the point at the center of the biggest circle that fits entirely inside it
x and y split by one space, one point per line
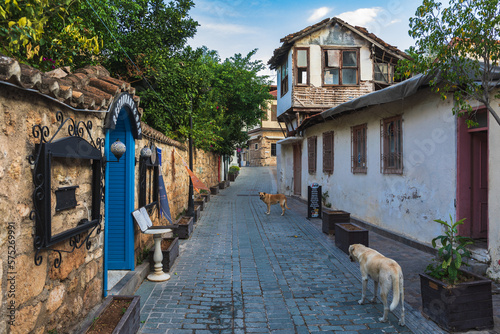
45 149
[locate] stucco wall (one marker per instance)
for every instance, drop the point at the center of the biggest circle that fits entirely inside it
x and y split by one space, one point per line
406 204
494 196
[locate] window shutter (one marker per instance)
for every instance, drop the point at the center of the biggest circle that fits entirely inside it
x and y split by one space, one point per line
311 152
328 152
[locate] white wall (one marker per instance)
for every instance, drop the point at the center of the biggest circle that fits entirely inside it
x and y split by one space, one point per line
406 204
285 101
494 194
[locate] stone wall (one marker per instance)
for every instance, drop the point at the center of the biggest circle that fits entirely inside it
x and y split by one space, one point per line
42 298
175 176
37 299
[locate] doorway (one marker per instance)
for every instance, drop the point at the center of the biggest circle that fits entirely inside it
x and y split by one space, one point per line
472 174
120 197
297 169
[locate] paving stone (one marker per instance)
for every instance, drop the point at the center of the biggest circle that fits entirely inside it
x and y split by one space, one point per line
243 271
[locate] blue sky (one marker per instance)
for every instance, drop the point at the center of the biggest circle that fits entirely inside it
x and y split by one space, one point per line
238 26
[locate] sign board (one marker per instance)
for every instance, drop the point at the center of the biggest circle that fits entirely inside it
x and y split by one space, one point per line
314 201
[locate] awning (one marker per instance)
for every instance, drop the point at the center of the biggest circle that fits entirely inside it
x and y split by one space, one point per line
290 140
274 137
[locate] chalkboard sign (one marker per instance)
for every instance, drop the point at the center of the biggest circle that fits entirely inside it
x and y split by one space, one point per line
314 201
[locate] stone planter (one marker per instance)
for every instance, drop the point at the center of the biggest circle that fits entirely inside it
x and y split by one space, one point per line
170 250
200 202
214 190
183 227
222 185
347 234
129 322
332 217
458 308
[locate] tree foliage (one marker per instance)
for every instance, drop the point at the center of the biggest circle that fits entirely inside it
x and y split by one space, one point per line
222 98
45 33
132 29
461 45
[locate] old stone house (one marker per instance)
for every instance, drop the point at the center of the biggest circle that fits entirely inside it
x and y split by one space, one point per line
261 150
66 201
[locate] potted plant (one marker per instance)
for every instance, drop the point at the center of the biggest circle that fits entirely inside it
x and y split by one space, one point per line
117 314
457 300
170 250
233 173
347 234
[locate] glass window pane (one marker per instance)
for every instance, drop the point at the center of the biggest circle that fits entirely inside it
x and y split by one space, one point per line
382 72
349 58
302 76
349 76
332 76
302 58
332 58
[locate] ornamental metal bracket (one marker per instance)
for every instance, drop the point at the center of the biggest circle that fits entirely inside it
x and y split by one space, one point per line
73 146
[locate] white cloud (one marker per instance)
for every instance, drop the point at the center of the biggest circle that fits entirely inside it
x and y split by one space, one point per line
319 13
227 29
361 17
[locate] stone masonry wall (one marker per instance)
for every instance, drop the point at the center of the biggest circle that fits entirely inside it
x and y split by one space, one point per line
37 299
176 179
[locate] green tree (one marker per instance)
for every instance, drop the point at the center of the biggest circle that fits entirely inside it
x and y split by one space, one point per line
222 97
133 30
45 33
460 44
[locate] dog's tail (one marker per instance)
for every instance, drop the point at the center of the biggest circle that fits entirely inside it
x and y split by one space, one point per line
286 206
397 289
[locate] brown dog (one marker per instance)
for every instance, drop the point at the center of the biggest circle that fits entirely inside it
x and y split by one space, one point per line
270 199
384 272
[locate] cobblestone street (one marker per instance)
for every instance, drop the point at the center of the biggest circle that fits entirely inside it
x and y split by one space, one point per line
243 271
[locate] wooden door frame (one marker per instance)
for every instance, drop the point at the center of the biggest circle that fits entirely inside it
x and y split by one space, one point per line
297 157
464 172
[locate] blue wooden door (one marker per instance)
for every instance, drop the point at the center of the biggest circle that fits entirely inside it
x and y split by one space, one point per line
119 232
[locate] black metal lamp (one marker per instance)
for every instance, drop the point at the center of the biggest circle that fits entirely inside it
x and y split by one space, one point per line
118 149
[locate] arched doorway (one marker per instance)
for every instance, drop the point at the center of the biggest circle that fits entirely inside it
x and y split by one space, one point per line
122 123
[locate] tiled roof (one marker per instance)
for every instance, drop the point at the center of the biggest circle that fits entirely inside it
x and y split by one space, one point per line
89 88
289 40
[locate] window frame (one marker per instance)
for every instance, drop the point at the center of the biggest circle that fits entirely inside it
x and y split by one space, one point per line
328 138
386 167
284 79
355 169
297 68
324 66
312 145
390 72
273 149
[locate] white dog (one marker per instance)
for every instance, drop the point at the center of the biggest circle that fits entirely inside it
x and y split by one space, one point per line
383 271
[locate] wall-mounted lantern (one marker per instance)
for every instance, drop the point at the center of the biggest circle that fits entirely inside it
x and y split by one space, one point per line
118 149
